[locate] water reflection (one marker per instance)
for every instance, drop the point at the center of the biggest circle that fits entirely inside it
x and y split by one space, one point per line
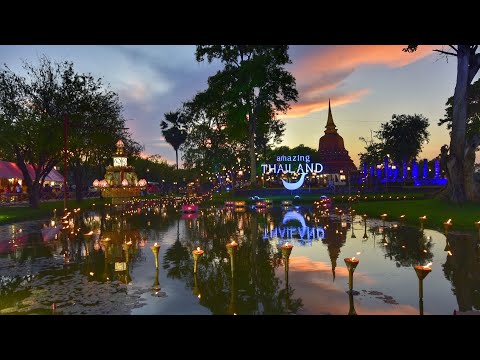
100 262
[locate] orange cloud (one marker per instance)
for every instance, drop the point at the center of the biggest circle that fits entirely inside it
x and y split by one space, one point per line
323 69
312 282
306 107
342 57
305 264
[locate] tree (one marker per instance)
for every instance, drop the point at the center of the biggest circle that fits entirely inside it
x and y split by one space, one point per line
174 131
403 136
248 68
31 120
374 151
95 124
460 186
32 113
472 130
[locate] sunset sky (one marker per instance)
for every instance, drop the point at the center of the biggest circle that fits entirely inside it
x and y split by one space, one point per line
366 85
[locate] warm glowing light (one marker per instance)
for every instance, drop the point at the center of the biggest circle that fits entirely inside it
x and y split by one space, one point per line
428 266
199 296
198 248
449 253
156 244
91 273
287 244
448 222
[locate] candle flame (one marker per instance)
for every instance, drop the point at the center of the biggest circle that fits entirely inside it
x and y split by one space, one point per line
449 221
429 265
358 253
353 258
450 253
198 248
199 296
233 242
287 244
155 244
91 273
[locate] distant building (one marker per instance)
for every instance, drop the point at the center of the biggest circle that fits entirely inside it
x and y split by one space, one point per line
337 164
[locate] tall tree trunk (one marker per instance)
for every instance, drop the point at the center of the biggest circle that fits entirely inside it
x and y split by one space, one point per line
251 146
455 190
176 157
34 194
472 188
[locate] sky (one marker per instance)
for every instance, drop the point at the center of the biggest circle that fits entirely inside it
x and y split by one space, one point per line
366 84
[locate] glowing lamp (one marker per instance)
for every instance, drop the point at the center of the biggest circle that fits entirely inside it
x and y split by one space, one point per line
197 253
124 182
155 249
96 183
447 225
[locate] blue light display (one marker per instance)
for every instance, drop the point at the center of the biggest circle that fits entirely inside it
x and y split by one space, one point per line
414 169
437 168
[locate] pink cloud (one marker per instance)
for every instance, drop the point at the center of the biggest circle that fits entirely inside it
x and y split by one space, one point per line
312 282
308 106
325 69
341 57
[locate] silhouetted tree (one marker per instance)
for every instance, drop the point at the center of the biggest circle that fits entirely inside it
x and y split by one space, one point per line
174 131
248 68
460 186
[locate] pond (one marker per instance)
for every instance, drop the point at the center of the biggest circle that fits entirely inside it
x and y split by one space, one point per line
104 264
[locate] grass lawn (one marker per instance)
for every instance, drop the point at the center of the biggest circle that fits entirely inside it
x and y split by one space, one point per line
11 214
437 212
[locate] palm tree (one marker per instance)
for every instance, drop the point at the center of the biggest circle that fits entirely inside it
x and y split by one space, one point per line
173 130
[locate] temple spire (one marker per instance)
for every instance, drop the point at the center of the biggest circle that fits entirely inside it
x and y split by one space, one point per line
330 127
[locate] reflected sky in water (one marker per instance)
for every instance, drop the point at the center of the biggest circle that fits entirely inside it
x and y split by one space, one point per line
45 270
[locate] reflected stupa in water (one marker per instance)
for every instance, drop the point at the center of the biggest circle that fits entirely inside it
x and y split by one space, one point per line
120 181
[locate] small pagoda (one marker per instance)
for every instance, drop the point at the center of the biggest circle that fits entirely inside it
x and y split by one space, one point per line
120 179
331 150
